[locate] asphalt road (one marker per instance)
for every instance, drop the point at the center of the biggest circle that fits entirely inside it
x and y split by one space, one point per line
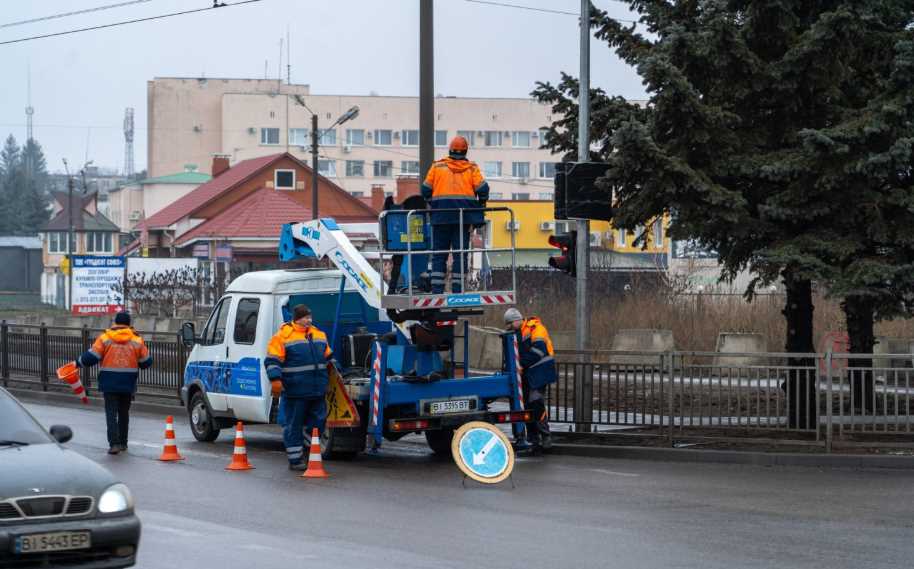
403 509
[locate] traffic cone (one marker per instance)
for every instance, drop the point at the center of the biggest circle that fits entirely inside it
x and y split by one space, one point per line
315 464
170 452
240 456
69 374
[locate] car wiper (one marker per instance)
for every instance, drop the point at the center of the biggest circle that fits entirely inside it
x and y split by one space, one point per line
13 444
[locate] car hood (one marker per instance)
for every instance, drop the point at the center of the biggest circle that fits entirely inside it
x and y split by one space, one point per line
52 469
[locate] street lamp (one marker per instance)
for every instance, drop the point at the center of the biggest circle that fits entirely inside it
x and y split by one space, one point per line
347 116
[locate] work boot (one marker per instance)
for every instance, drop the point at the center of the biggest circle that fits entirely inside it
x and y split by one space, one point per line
114 449
299 466
546 441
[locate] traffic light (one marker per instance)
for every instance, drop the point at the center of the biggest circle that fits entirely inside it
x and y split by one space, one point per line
583 199
568 245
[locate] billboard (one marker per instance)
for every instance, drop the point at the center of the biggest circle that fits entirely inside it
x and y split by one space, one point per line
94 279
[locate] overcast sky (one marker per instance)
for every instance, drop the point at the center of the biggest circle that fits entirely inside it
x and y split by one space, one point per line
81 83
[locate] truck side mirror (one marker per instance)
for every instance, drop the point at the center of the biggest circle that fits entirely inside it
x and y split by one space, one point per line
188 334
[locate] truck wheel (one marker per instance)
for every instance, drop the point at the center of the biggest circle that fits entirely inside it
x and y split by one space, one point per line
202 424
440 441
341 444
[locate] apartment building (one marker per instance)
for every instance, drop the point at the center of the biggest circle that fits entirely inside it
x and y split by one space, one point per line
190 119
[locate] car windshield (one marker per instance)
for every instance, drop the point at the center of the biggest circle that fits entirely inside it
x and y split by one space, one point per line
18 427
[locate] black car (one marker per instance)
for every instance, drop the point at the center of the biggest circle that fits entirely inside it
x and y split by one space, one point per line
58 508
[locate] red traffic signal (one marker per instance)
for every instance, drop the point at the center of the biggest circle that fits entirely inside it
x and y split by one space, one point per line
567 243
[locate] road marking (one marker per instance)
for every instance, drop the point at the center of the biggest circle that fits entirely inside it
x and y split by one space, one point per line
614 473
171 530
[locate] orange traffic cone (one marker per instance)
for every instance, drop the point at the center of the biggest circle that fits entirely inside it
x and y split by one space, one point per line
170 452
69 374
240 457
315 464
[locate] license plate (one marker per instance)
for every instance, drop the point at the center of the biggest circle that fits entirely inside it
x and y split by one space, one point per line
54 541
453 406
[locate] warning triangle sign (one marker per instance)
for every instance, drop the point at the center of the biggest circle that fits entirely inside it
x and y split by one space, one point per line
341 411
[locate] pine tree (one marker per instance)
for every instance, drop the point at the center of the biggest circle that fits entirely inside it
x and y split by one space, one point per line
35 193
760 138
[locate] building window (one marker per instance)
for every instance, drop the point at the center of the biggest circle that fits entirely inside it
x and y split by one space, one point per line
355 168
409 167
492 169
469 135
298 137
543 132
284 179
357 194
326 136
522 196
327 168
658 232
520 169
545 196
355 137
57 242
410 138
493 138
383 137
383 168
99 242
621 234
441 138
520 139
269 136
493 196
547 170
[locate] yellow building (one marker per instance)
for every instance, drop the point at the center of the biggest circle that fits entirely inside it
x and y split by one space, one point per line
534 222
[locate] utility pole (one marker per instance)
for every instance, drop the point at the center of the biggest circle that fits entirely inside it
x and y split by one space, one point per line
426 86
583 247
314 176
583 382
69 290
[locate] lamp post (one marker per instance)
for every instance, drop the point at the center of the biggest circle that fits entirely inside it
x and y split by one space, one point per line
347 116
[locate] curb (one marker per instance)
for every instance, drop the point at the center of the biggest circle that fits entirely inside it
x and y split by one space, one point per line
68 400
736 457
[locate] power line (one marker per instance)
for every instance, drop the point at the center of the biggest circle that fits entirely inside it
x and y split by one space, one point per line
74 13
125 22
543 10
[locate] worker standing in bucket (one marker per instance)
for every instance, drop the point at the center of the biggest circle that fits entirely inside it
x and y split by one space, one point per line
297 356
454 183
122 354
538 371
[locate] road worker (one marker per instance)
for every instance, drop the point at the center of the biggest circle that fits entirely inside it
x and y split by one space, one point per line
298 356
454 183
122 354
538 371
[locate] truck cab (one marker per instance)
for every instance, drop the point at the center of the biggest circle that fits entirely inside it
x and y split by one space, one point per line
225 380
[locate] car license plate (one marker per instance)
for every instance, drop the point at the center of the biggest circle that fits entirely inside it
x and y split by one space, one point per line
53 541
453 406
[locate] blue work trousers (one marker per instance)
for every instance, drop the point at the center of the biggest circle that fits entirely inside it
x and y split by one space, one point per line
446 237
302 414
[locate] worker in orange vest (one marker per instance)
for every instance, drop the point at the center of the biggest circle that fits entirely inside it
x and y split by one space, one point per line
456 184
122 354
537 360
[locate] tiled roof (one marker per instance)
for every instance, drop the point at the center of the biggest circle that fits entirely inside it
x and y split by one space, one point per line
261 214
200 196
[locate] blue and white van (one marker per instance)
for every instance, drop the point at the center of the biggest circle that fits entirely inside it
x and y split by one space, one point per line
225 380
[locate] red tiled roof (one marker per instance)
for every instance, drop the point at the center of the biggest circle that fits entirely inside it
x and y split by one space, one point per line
206 192
261 214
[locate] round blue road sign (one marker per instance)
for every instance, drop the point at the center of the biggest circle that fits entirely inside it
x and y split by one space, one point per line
483 452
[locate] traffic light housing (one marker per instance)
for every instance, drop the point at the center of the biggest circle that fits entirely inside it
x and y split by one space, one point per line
576 193
566 261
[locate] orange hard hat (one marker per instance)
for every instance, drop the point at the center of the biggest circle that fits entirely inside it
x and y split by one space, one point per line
459 145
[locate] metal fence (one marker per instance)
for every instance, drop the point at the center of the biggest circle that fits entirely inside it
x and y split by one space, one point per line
805 398
31 354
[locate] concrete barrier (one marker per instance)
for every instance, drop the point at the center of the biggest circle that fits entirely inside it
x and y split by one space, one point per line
740 343
647 341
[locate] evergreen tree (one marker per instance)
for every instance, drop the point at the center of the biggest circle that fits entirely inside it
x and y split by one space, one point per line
9 174
35 189
758 137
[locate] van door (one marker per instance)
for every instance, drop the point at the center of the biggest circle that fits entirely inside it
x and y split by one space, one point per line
210 358
247 346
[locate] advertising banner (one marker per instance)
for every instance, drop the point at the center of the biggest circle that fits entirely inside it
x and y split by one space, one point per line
94 279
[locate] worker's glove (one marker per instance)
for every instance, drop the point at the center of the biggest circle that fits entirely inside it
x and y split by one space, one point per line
275 387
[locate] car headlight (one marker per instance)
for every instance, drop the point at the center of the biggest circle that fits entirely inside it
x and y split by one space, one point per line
117 498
